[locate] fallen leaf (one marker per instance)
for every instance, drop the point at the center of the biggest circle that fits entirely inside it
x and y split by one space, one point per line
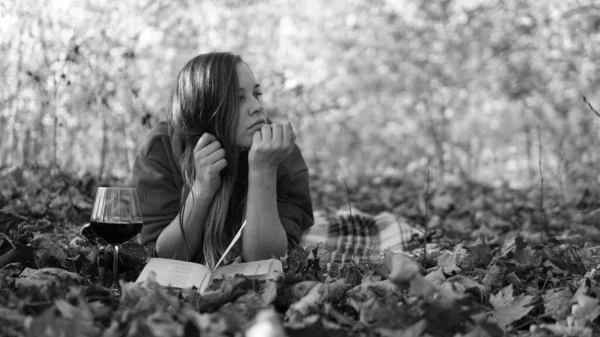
470 284
478 255
507 308
436 276
448 261
314 299
402 267
557 303
493 277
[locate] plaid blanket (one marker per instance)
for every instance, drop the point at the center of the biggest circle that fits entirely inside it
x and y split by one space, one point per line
348 236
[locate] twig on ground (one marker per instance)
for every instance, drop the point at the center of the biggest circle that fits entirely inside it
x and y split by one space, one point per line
542 213
348 196
591 107
425 223
546 282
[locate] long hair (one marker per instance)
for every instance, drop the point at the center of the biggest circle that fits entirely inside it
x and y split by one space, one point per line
204 99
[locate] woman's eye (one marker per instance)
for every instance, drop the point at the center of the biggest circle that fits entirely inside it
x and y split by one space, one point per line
242 98
258 95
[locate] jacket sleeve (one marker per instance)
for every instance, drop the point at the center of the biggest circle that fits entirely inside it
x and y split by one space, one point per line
157 191
293 197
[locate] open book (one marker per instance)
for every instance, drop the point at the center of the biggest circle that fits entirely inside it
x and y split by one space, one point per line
181 274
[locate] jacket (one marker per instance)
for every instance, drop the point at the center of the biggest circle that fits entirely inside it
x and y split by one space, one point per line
157 177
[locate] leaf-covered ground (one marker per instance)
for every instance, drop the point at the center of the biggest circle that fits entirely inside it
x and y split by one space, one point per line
499 262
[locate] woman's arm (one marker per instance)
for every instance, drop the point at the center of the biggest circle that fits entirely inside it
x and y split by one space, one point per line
263 236
171 243
209 161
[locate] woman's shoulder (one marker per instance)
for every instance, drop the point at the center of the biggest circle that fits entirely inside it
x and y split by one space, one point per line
154 138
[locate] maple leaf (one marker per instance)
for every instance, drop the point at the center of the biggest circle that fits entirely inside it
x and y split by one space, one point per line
520 254
448 261
479 255
493 277
507 308
557 303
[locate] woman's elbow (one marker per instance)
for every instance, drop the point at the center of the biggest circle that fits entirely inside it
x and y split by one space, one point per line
274 249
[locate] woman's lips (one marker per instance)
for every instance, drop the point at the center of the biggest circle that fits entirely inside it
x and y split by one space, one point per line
258 123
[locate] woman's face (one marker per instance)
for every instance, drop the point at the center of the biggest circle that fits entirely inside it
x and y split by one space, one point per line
252 113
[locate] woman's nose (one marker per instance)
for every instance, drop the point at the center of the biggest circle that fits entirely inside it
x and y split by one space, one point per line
258 108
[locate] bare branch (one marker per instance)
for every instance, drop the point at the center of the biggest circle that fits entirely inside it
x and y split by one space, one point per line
425 223
591 107
542 213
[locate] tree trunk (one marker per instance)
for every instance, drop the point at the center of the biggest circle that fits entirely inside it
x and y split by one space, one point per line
15 103
26 150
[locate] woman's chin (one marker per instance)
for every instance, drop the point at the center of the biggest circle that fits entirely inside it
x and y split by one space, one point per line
245 145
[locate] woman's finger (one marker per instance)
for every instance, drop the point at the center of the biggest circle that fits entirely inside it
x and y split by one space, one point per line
257 137
288 134
207 150
277 133
220 165
204 140
216 156
266 133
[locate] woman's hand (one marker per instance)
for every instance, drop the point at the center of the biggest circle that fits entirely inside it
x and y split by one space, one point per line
270 146
209 158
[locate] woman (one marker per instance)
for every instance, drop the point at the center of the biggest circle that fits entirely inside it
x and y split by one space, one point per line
217 162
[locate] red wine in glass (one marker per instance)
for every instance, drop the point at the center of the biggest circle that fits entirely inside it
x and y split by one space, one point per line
116 218
116 233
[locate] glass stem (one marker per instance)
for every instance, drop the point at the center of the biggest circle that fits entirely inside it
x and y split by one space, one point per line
116 267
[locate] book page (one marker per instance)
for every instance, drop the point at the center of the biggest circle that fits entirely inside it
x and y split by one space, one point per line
257 269
176 274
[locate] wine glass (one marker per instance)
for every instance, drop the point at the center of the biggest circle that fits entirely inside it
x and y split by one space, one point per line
116 218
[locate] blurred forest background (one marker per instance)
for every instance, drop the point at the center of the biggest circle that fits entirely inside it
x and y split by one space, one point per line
463 88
